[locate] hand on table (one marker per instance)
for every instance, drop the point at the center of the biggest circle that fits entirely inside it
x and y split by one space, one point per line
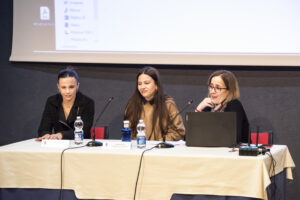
56 136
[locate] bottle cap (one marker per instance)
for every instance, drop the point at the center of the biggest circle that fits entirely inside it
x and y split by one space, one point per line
126 123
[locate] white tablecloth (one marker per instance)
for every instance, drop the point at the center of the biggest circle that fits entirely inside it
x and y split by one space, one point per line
96 172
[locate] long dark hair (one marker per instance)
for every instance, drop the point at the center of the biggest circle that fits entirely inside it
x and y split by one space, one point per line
134 106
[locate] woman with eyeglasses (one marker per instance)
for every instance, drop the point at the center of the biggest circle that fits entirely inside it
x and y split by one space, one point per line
223 96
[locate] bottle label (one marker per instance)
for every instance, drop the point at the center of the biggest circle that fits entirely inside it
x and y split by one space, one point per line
126 135
141 141
78 137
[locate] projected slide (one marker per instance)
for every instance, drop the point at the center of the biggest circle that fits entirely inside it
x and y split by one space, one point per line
191 32
76 25
176 26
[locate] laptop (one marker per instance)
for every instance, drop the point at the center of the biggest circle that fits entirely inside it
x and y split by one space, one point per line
210 129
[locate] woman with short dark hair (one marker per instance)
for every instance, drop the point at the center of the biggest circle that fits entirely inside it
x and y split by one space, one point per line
62 109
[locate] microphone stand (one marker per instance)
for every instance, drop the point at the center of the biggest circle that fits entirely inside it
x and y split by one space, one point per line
95 143
164 144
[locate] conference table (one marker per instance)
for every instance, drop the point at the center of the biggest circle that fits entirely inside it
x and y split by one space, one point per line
111 173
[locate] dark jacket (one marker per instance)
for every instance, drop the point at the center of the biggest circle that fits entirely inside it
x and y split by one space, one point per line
53 120
241 119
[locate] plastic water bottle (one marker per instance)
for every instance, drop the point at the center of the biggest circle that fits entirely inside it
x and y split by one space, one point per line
126 132
141 136
78 133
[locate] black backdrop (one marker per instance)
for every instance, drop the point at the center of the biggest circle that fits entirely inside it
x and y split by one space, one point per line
270 95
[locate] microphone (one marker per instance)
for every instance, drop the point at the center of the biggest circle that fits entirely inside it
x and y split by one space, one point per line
95 143
67 125
64 123
164 144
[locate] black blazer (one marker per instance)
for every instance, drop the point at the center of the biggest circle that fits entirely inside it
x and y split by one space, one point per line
241 119
53 120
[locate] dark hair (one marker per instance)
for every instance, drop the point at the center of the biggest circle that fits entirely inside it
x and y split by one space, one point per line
64 73
230 82
134 106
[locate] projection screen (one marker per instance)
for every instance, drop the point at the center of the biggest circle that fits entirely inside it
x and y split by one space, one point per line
179 32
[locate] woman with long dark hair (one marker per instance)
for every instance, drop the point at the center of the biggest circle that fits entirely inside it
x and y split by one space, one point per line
156 109
61 109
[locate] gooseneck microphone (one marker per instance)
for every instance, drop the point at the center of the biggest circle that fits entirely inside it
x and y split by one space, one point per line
64 123
95 143
164 144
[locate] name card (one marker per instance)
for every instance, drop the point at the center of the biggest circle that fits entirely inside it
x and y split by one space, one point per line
55 143
116 145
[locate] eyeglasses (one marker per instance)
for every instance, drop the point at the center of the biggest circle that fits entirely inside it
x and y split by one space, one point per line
216 89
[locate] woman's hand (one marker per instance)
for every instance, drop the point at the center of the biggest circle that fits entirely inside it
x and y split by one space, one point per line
205 103
56 136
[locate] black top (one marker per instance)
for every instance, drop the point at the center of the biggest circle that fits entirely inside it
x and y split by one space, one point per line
241 119
54 120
